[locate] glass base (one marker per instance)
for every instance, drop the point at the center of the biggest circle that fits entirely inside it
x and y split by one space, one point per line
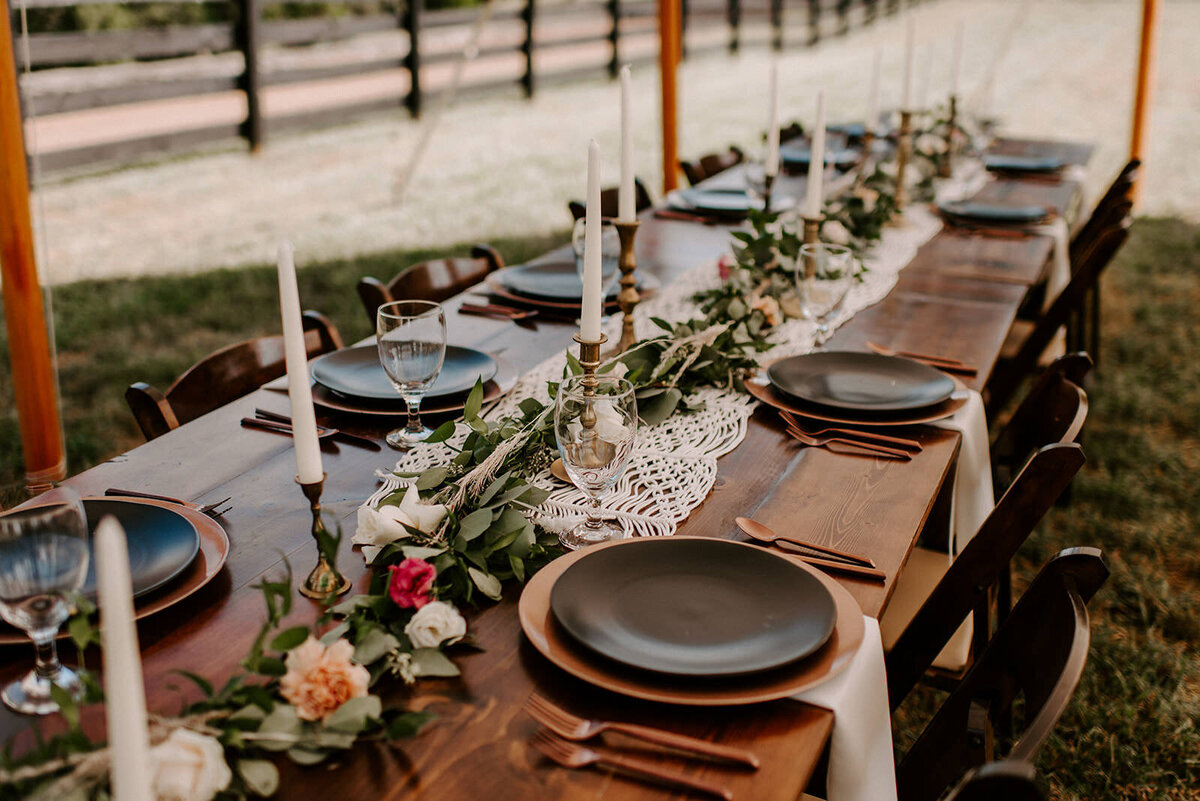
402 438
30 695
586 534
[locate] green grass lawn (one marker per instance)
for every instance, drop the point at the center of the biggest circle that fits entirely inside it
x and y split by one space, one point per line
1131 732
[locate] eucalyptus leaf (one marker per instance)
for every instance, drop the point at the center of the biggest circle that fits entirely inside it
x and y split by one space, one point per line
408 724
440 434
660 407
431 662
488 584
493 488
260 776
474 402
283 723
433 477
352 716
421 552
289 638
374 645
307 756
475 524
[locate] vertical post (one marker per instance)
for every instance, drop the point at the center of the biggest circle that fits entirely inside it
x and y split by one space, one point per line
246 34
668 59
735 25
684 8
527 48
614 38
411 22
777 24
36 395
814 22
1145 89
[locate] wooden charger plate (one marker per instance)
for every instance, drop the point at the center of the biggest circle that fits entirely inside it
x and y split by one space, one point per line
930 414
552 642
214 550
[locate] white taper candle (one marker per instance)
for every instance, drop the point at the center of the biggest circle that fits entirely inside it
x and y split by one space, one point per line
872 123
771 165
909 37
124 692
816 162
295 354
589 327
627 204
956 58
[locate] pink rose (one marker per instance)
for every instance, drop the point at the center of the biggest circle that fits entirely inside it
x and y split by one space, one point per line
411 583
725 266
320 679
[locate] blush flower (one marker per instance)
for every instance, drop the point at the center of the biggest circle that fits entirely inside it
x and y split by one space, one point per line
725 266
320 679
188 766
769 308
411 583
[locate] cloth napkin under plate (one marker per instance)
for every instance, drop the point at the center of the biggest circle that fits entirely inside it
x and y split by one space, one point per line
861 763
971 502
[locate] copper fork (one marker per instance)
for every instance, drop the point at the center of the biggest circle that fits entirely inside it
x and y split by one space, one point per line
574 755
573 727
850 446
870 436
213 509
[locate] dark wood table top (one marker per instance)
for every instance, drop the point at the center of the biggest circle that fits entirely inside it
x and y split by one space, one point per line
959 299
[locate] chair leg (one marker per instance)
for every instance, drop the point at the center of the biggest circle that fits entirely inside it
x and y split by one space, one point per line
1094 328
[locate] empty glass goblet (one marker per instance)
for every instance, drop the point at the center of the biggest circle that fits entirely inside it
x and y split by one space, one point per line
596 429
824 274
610 252
43 557
411 336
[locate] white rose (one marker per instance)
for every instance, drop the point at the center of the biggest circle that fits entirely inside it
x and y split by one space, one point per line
930 143
188 766
379 527
835 233
435 623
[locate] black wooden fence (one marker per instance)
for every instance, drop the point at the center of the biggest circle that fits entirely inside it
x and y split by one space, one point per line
615 23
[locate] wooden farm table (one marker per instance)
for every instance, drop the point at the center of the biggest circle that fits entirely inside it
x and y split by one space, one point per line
958 298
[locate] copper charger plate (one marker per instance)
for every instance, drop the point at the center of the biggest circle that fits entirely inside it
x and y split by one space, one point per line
930 414
214 550
646 287
504 380
543 631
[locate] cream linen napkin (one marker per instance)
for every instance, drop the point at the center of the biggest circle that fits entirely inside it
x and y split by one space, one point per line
861 766
1059 277
971 502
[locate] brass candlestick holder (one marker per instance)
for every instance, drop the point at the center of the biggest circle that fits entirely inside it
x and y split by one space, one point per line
628 297
903 154
946 168
324 581
811 234
589 360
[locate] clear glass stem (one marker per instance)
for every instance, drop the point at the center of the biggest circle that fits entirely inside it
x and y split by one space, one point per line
47 664
414 415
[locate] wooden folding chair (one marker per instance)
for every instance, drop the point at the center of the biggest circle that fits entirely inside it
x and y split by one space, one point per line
1004 780
1039 654
710 164
223 377
1026 343
434 280
610 199
917 632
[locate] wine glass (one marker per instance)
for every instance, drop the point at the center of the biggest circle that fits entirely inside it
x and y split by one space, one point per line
596 428
43 557
411 336
823 277
610 252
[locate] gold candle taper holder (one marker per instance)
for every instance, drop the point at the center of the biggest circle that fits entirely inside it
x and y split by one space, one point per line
811 234
628 297
946 168
903 154
589 360
324 581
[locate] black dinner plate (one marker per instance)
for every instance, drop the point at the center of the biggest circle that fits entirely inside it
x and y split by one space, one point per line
550 280
1038 164
860 381
693 607
993 212
357 373
162 543
717 201
800 155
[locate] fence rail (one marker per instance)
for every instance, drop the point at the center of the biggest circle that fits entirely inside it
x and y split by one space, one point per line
252 56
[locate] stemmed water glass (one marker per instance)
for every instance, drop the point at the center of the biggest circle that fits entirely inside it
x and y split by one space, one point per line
610 252
411 336
596 429
824 274
43 557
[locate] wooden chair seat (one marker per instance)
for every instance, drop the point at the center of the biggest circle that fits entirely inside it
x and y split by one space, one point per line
922 573
710 164
434 280
223 377
610 200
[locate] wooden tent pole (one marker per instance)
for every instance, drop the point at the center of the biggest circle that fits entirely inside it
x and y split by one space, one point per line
1144 95
669 53
24 312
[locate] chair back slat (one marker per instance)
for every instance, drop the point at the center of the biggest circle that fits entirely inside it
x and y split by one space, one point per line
982 562
1005 780
710 164
1038 653
1119 191
610 201
436 280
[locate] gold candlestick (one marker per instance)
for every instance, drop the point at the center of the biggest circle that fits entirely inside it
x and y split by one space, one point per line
812 229
589 360
628 297
324 581
946 168
903 154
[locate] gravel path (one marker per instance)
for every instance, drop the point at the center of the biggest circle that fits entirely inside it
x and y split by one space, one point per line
503 166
